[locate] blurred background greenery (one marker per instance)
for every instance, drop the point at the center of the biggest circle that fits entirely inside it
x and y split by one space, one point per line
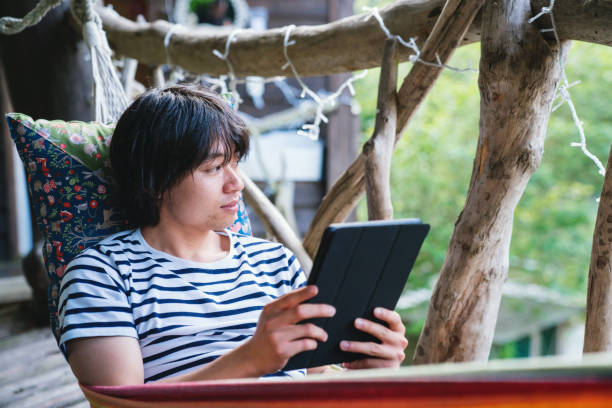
432 165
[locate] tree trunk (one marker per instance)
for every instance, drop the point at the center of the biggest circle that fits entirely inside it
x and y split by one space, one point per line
598 330
379 148
519 71
345 45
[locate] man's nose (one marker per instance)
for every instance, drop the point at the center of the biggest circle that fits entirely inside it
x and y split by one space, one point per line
234 180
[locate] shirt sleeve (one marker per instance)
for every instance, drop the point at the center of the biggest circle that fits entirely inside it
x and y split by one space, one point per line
298 277
93 300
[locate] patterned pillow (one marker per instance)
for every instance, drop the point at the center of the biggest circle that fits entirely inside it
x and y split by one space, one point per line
68 174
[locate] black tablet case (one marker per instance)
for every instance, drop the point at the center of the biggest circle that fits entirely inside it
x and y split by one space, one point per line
358 267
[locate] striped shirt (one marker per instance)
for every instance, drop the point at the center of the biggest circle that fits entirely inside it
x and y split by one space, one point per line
184 313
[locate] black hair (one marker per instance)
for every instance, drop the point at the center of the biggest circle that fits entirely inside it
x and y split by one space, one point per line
164 135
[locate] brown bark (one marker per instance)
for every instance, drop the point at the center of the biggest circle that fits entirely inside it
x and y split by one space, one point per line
379 148
275 223
598 330
518 74
345 45
454 20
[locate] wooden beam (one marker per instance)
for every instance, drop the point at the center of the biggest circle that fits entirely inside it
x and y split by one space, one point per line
519 71
349 44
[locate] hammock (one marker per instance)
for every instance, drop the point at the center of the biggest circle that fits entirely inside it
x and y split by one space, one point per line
539 383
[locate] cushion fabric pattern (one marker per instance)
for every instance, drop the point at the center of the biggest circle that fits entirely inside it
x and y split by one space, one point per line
68 176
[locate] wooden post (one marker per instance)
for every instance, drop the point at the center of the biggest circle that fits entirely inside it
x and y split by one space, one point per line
379 148
519 71
598 330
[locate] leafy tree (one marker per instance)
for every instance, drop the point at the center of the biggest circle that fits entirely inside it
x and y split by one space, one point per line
432 164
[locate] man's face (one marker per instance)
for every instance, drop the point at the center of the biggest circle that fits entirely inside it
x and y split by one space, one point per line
206 199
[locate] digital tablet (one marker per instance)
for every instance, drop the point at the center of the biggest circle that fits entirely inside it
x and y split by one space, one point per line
359 266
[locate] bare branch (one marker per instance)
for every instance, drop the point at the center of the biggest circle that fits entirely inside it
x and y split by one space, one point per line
379 148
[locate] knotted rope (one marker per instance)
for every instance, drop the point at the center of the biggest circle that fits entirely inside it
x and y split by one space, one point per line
109 97
12 25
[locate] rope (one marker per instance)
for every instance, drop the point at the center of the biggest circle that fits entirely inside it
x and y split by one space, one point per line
12 25
109 96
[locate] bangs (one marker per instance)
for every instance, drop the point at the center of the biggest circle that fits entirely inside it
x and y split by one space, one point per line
225 135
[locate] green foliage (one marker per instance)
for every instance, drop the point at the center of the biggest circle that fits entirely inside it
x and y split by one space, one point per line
194 5
432 165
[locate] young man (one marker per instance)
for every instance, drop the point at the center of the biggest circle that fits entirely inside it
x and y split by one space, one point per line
181 298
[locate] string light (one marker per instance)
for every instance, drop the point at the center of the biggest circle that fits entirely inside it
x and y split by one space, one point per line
312 130
563 92
237 100
411 44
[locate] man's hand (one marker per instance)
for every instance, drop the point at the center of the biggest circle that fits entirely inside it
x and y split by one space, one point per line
390 353
278 337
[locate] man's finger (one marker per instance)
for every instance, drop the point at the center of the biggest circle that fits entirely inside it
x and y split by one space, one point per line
392 318
297 346
309 330
307 311
294 298
370 363
381 332
373 349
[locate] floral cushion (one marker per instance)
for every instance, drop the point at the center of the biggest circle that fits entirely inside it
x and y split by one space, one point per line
68 174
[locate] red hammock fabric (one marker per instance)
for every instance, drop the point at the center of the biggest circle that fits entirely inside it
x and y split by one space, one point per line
378 393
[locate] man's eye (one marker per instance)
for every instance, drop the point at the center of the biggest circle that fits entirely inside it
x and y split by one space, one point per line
214 170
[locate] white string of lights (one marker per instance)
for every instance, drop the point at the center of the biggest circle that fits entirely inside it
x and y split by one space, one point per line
563 92
411 43
177 74
312 130
167 38
237 100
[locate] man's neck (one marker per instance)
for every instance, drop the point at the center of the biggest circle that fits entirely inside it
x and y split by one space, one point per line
188 243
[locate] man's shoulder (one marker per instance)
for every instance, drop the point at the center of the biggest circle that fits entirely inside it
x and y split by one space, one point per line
103 250
254 246
251 241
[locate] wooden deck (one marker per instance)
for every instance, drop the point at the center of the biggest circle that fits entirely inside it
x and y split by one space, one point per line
33 372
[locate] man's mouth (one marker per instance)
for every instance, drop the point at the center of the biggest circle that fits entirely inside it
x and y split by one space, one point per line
232 205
